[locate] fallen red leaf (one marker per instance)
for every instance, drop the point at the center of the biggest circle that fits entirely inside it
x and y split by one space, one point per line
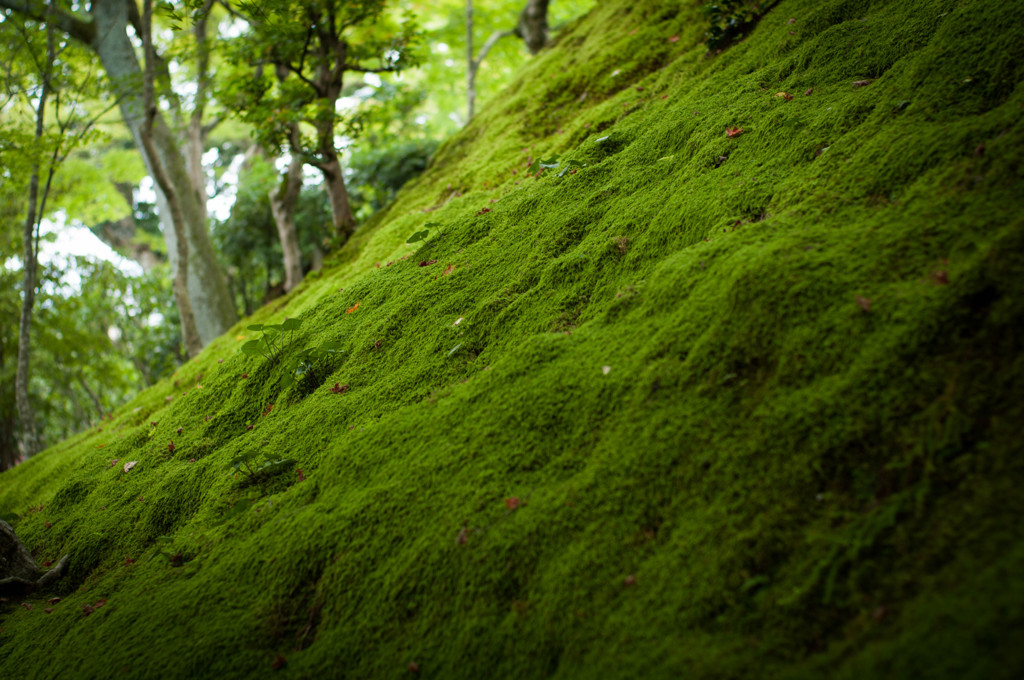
99 603
279 662
413 667
245 375
864 303
302 477
47 563
53 600
48 610
170 447
512 503
178 430
448 270
485 210
630 580
339 389
674 38
47 525
785 95
87 609
427 263
268 409
128 560
733 131
249 428
809 92
862 83
463 536
27 606
352 308
941 277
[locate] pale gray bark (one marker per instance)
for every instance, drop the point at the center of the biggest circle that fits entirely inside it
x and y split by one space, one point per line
213 309
283 200
189 332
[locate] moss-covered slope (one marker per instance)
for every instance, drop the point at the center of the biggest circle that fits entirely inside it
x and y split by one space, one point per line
709 406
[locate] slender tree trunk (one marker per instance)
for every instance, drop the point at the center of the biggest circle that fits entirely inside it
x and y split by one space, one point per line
214 311
30 438
190 334
283 200
8 417
471 63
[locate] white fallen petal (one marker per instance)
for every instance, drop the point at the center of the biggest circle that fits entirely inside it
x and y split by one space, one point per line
130 464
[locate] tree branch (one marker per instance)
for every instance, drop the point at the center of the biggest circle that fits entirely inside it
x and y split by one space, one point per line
74 26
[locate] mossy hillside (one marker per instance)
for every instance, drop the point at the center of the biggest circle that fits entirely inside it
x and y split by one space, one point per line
803 458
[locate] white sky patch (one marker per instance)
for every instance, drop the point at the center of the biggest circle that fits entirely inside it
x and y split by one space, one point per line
372 79
441 47
449 62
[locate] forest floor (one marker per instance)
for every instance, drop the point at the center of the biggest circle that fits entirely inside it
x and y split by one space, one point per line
688 402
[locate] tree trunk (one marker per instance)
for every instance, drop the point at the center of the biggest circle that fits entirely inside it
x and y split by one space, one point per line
26 415
189 332
533 25
214 310
334 181
471 63
282 204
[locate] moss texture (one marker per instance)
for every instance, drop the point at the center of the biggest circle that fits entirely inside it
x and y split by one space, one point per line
717 407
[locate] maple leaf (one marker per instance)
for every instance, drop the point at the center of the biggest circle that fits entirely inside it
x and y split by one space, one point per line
352 308
733 131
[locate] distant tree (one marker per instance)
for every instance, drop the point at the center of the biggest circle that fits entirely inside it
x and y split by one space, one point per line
532 27
104 31
308 47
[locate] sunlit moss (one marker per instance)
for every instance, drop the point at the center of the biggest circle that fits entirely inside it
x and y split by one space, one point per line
758 397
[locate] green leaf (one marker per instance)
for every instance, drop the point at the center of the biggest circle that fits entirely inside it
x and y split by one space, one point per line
291 325
418 236
431 225
332 347
252 348
255 327
571 164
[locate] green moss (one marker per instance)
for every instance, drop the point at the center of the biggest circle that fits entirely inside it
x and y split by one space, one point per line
758 397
